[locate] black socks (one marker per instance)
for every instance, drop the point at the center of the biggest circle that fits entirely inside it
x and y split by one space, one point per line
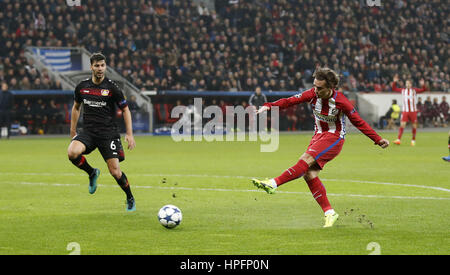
123 183
82 163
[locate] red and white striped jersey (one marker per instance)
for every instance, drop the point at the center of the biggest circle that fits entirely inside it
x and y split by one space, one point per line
330 113
409 97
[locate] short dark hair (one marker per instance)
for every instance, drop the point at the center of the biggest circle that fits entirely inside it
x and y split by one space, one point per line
97 57
331 77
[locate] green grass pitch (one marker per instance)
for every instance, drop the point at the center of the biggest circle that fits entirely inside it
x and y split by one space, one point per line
397 198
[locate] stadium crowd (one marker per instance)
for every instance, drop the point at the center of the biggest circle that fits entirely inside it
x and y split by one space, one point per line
178 45
430 113
274 44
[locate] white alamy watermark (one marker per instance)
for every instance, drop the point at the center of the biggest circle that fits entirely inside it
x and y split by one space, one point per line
373 3
74 247
374 247
73 3
236 124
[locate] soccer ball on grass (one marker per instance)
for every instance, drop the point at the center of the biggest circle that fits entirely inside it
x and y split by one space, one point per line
170 216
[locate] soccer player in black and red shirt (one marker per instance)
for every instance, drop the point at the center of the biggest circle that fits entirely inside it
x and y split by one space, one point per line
99 97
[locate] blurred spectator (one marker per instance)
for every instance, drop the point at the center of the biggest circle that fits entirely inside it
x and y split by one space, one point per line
444 111
257 99
420 112
435 112
427 112
391 117
292 118
40 117
132 104
14 84
25 115
298 82
305 117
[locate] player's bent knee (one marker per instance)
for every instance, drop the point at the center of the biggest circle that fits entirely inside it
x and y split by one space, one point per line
308 159
75 149
114 167
73 154
115 171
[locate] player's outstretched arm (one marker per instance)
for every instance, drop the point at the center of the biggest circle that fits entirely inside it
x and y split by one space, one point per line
358 122
422 85
129 138
394 84
290 101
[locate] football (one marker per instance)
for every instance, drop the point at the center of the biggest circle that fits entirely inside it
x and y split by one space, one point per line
169 216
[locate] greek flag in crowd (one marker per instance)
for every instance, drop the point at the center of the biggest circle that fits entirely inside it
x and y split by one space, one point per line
58 59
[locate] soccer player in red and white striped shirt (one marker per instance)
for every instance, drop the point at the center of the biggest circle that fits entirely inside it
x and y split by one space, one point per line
409 107
330 108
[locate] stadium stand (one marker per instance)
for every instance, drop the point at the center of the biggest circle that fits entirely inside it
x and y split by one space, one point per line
274 44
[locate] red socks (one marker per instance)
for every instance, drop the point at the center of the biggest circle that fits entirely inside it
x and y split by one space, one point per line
315 185
400 132
319 193
292 173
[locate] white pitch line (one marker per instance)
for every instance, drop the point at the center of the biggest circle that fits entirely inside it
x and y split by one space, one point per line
391 183
229 190
340 180
232 177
